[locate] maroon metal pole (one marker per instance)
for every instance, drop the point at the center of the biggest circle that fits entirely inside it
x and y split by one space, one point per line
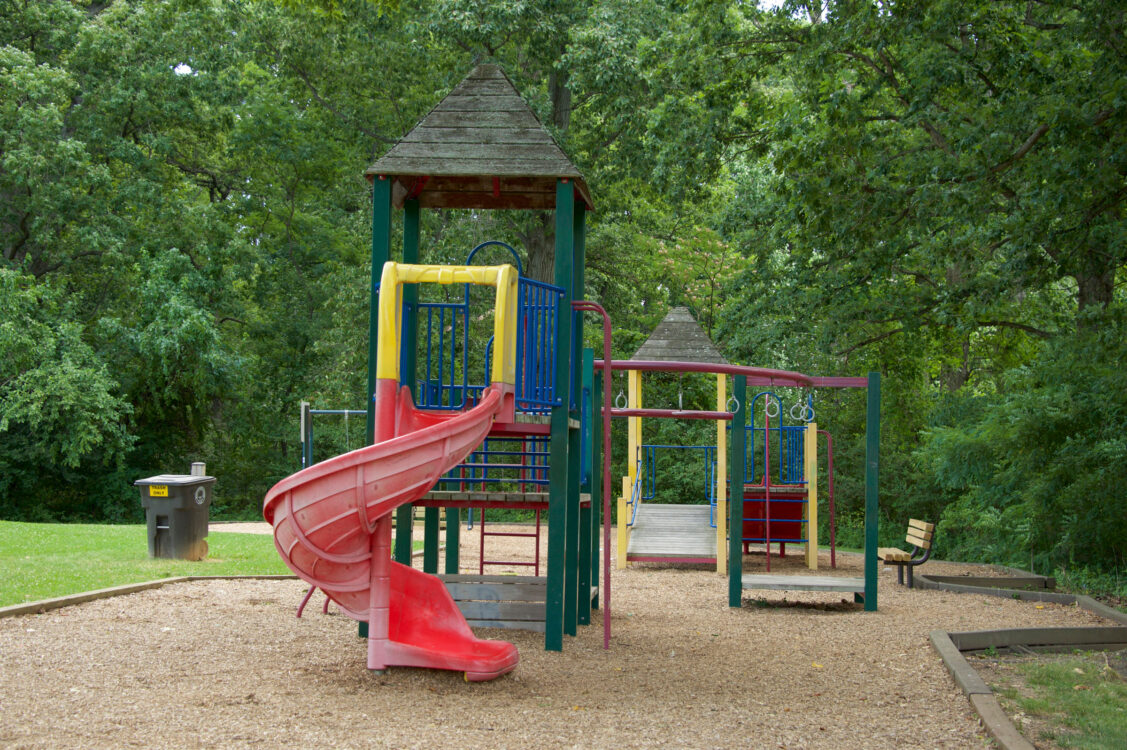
481 545
536 569
672 414
607 373
755 375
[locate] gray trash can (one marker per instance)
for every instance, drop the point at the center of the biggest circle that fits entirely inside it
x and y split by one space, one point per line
176 510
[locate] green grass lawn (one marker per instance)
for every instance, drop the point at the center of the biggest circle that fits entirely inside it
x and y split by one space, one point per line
45 560
41 560
1082 699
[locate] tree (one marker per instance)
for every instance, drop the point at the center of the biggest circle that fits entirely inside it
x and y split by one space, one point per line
61 413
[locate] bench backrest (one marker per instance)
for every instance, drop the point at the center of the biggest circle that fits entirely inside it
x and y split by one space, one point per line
920 533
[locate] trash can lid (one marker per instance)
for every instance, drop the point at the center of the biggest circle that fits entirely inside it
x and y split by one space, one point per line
180 480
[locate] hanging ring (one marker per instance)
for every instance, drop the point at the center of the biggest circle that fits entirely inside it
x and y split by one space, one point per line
620 400
799 406
767 408
733 404
808 414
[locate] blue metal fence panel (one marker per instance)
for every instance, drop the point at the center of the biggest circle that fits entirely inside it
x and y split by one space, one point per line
539 306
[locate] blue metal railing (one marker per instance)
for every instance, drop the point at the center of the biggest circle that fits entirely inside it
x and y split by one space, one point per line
502 466
446 381
647 472
635 492
539 309
787 446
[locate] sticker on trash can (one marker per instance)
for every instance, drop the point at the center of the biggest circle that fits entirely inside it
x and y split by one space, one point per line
158 490
201 495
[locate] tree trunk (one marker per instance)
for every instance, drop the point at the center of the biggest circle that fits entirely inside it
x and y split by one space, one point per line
1094 293
540 241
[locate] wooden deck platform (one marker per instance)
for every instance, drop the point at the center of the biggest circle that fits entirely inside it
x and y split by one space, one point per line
671 532
501 601
804 583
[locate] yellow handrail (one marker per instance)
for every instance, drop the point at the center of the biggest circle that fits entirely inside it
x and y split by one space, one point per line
503 277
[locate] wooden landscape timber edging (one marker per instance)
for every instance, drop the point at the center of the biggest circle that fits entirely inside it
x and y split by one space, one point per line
950 646
1037 595
46 605
994 719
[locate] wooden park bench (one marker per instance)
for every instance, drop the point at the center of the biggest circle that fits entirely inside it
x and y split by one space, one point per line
920 534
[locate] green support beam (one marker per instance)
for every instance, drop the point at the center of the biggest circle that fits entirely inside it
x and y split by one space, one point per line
571 544
430 540
574 453
558 471
453 539
584 601
872 493
408 354
596 464
737 465
381 253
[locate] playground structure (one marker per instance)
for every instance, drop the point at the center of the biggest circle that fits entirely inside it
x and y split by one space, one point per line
779 499
529 435
864 589
437 436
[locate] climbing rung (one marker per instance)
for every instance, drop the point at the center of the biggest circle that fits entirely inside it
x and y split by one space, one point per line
773 540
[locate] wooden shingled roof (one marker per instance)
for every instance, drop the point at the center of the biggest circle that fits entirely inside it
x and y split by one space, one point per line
480 147
679 338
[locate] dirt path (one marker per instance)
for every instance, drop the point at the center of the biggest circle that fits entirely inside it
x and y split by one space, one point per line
226 664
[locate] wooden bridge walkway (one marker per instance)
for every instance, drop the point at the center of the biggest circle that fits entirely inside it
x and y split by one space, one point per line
668 533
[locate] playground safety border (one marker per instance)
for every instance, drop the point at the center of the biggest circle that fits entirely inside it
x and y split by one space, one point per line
46 605
950 647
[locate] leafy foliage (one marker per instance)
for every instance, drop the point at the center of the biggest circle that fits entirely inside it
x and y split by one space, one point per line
931 190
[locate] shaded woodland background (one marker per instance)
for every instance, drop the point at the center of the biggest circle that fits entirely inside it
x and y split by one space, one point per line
932 190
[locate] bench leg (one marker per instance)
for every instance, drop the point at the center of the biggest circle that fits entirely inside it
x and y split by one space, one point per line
900 574
910 579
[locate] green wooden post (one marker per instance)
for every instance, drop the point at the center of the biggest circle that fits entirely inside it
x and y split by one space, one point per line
558 469
430 540
597 418
453 539
872 493
381 253
408 353
571 548
574 451
737 466
584 614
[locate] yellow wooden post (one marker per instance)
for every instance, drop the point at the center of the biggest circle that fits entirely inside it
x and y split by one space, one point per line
633 441
721 477
810 471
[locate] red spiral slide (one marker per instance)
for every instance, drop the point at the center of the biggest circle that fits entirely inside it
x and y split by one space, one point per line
332 526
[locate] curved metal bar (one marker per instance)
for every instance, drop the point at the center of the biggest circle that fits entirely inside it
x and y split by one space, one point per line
496 243
305 600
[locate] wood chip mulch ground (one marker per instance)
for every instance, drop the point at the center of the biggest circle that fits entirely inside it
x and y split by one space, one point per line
226 664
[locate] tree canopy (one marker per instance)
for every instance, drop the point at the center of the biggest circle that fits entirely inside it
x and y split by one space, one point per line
932 190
